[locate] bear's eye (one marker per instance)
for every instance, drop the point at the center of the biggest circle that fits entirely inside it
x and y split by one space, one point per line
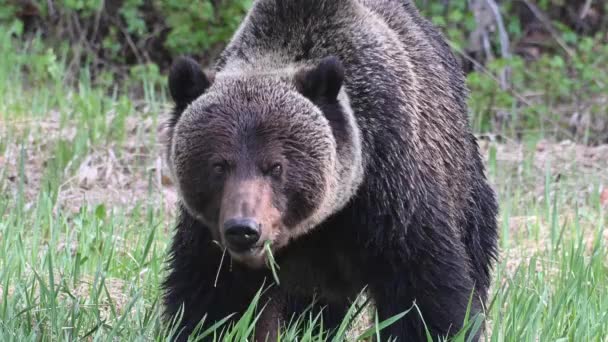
219 168
276 170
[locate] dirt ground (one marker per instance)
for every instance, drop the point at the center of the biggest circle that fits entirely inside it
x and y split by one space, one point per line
125 175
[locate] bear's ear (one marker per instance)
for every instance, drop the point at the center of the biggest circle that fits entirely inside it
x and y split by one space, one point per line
322 82
187 81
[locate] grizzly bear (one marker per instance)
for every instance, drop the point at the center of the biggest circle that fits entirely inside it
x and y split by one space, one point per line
332 135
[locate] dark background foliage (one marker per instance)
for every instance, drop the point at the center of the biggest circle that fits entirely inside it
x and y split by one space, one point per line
531 64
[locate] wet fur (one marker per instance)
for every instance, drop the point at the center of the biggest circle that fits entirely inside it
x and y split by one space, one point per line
420 224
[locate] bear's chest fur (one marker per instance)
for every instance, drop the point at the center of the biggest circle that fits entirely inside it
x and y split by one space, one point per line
321 264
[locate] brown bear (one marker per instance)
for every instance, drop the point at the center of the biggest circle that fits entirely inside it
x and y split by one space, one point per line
335 133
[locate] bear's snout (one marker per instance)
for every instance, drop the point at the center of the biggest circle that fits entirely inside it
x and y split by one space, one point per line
241 234
248 218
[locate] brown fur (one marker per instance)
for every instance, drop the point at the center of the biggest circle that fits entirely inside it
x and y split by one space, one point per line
363 105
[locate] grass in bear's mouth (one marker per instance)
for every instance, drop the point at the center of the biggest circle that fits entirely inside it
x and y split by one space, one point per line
271 262
86 216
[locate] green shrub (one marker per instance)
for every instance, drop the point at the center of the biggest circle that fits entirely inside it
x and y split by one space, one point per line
199 25
130 31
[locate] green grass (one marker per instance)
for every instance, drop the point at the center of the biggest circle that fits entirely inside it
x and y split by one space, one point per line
80 262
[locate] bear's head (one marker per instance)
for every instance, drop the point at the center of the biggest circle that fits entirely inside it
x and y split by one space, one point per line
262 157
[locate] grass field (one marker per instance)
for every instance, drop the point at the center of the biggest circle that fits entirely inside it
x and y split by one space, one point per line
86 216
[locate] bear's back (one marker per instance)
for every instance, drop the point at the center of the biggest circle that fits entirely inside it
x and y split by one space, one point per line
405 88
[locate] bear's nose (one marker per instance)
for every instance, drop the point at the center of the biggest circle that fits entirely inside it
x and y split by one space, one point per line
241 234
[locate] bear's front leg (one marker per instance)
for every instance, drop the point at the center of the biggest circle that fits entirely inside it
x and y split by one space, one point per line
272 315
440 286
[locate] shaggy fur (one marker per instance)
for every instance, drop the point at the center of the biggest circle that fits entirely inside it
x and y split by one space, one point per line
363 104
